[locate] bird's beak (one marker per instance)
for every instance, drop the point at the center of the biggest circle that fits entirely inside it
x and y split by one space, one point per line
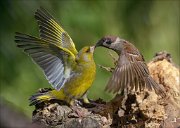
98 44
92 49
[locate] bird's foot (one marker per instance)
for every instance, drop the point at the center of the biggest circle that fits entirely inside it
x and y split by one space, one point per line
85 99
109 69
79 111
115 60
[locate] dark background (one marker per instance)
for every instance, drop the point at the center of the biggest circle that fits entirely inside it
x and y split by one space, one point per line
152 25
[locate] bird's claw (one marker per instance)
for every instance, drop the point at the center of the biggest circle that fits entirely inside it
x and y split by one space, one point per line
109 69
115 60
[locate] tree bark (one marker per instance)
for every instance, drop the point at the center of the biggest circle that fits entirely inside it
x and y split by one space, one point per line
135 110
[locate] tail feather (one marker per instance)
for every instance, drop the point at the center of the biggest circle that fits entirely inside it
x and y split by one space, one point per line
157 88
39 98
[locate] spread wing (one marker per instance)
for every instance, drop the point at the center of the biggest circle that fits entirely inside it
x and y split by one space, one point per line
130 73
52 32
49 57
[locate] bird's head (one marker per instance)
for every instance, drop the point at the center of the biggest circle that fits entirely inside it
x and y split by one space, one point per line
86 54
111 42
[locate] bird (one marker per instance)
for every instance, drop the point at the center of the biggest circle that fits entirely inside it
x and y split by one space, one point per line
70 73
130 71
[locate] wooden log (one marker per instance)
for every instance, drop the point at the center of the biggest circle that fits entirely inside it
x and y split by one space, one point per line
138 109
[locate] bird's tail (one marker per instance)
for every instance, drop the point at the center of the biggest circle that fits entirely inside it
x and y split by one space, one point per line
150 83
39 97
46 96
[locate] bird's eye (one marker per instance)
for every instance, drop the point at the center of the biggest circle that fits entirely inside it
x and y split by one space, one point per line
108 42
87 50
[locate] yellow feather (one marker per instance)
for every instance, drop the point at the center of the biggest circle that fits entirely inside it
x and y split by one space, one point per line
66 69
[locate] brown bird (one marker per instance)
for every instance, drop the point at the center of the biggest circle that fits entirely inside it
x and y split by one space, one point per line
131 71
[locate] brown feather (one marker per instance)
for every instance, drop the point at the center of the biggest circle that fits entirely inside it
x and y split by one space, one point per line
131 72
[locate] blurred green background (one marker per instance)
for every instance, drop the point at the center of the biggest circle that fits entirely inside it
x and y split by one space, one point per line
151 25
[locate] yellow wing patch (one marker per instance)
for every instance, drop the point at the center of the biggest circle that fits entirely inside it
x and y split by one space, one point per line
52 32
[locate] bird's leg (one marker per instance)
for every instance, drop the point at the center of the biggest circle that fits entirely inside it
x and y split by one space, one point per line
75 102
115 60
85 99
71 102
109 69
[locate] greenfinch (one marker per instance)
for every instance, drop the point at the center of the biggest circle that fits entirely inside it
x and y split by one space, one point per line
131 71
70 73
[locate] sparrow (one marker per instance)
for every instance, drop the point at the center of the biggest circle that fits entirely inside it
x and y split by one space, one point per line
131 71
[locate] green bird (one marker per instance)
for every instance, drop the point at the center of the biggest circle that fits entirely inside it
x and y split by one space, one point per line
69 72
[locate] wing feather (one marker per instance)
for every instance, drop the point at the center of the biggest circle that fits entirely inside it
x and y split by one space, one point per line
122 79
132 73
52 32
48 56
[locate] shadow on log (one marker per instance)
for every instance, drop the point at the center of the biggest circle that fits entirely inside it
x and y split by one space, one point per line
136 110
